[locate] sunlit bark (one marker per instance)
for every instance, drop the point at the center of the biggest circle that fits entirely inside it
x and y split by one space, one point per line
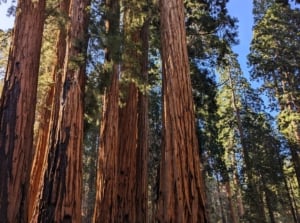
17 110
181 190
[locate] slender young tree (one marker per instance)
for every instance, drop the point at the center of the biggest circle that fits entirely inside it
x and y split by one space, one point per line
17 110
231 93
181 189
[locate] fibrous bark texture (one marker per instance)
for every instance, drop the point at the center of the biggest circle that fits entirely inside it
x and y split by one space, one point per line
17 110
122 165
60 199
181 189
48 121
107 168
105 207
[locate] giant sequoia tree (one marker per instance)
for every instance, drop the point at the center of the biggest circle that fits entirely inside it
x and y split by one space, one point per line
249 170
181 192
48 117
17 106
133 145
106 194
60 193
122 161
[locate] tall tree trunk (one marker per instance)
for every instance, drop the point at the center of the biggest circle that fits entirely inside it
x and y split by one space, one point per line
142 145
237 211
106 193
107 170
294 148
127 179
232 211
221 201
133 145
294 202
48 121
181 189
17 110
240 205
293 137
268 199
60 199
293 209
257 208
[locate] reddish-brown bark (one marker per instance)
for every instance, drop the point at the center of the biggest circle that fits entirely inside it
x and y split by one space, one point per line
181 189
48 121
126 196
106 190
133 145
17 109
126 192
142 144
105 207
60 199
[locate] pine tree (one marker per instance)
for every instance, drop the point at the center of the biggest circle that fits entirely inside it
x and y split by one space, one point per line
247 131
274 60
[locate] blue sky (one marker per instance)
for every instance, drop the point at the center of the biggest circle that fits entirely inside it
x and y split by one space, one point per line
5 21
242 10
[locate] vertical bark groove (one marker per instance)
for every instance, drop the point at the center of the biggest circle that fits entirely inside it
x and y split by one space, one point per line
50 114
60 198
181 193
107 168
105 207
17 110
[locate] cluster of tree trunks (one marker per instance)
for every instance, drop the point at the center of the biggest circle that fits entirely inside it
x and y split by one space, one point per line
47 188
54 192
123 151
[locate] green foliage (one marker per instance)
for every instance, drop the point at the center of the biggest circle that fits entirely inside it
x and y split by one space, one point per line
1 86
210 30
275 60
204 94
259 8
47 62
273 54
246 133
288 122
5 37
94 91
